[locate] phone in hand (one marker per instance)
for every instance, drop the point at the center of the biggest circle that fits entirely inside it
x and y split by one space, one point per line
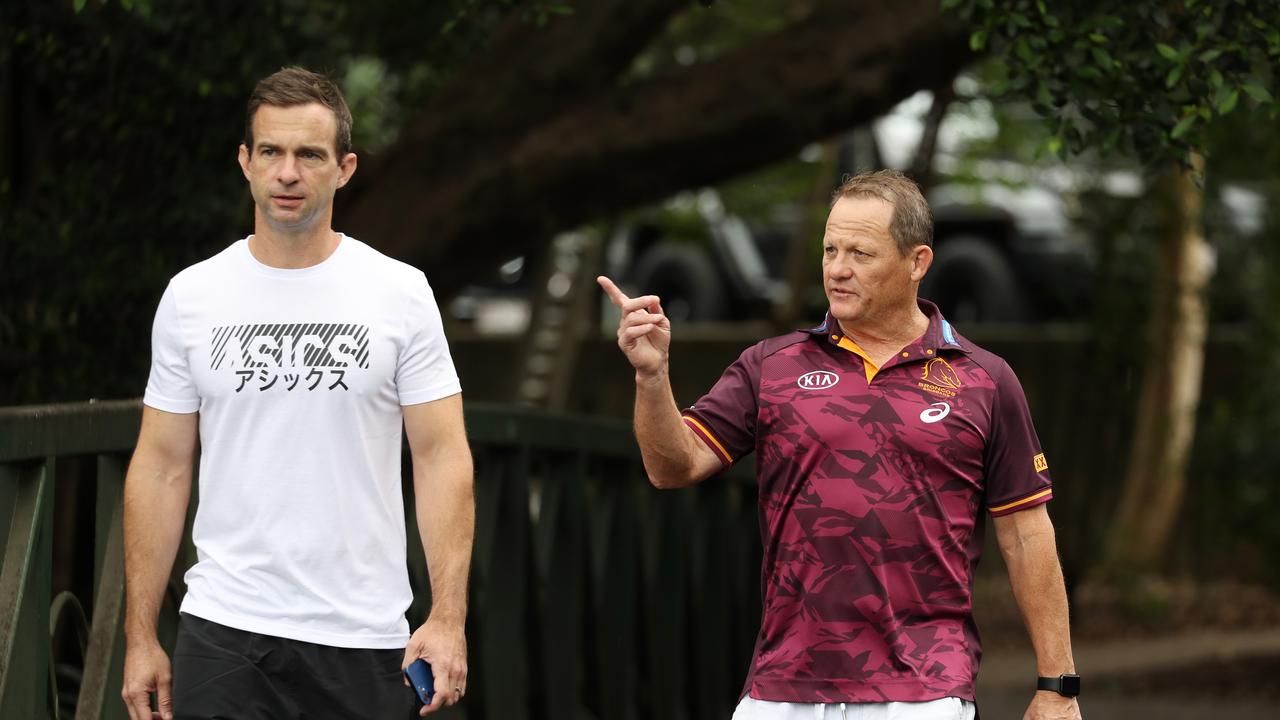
424 684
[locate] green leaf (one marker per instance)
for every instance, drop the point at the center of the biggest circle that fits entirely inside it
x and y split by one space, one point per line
1054 145
1229 102
1183 126
1258 93
1023 50
1209 56
1173 77
78 5
1215 79
1102 57
1167 52
1098 37
978 40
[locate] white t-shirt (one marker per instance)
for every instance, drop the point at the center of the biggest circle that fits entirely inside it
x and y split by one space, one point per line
299 376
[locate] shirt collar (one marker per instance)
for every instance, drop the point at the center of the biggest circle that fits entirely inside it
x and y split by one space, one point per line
940 335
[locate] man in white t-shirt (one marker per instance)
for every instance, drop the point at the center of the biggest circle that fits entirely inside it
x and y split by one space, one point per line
292 359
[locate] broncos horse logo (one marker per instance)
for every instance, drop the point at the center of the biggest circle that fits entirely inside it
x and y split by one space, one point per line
939 372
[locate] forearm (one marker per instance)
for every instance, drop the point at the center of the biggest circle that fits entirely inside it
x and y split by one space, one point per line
445 507
1036 578
668 447
156 494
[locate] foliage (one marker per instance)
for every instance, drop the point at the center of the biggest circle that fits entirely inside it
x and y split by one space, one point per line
1144 77
119 123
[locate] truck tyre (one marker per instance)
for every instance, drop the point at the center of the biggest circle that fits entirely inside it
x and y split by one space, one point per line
971 281
686 281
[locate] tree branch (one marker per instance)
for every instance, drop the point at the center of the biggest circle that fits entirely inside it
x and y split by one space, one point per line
476 201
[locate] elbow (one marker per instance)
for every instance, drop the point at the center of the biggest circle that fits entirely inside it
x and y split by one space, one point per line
663 482
670 481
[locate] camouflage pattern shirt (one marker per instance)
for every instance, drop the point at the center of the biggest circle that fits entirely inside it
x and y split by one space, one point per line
870 483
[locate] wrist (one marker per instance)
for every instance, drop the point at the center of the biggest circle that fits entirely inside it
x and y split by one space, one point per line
448 616
1064 685
652 378
140 636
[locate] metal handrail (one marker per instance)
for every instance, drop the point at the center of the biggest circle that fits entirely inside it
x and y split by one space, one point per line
583 581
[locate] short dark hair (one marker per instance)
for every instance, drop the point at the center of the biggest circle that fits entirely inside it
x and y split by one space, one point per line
912 223
298 86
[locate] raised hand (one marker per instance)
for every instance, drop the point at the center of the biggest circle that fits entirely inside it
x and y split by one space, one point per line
644 332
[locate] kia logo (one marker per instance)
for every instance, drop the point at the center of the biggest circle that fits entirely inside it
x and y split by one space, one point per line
817 380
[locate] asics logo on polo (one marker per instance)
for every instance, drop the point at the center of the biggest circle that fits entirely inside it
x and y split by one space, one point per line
817 380
935 412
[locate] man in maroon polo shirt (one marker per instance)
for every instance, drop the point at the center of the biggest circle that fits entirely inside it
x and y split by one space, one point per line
880 436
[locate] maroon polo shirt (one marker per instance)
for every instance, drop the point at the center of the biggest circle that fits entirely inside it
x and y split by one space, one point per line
870 483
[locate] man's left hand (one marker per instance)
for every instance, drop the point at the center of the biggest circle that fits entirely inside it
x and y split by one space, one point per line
443 645
1052 706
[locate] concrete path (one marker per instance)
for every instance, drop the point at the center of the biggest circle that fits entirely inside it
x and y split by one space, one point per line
1006 676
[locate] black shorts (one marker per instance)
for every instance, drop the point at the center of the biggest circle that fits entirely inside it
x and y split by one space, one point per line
221 672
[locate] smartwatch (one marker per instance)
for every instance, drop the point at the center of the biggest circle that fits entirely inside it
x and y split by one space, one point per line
1066 685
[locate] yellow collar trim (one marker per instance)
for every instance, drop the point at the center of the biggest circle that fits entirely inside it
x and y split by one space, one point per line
868 366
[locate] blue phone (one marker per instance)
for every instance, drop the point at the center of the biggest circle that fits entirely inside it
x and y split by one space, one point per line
419 674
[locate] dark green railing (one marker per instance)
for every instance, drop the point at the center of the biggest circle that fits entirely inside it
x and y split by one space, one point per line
592 596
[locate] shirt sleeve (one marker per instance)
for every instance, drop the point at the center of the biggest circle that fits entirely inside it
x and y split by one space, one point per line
1016 469
424 370
725 418
170 386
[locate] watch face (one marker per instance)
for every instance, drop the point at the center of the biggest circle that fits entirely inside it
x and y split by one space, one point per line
1070 685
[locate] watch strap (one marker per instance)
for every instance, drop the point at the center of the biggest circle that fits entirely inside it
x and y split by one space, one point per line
1067 685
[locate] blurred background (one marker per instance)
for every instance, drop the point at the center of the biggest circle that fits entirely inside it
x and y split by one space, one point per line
1104 183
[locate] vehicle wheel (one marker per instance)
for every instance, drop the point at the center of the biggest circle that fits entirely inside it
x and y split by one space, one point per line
686 280
972 282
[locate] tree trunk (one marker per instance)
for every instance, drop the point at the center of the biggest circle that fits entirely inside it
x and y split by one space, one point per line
801 272
1156 479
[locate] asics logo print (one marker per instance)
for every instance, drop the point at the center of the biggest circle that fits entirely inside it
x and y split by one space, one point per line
817 380
935 412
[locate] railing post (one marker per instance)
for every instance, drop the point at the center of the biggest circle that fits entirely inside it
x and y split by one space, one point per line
710 627
666 592
25 592
560 565
615 596
499 683
104 659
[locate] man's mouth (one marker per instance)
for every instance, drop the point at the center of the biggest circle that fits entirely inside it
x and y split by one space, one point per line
842 292
288 201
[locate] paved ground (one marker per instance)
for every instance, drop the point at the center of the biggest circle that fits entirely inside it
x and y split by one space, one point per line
1112 670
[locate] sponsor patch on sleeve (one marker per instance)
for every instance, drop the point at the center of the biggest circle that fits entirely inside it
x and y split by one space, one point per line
1040 463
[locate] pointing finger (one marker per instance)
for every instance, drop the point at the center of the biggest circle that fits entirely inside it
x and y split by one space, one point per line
616 296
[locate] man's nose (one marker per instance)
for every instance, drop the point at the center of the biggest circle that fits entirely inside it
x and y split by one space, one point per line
840 268
288 173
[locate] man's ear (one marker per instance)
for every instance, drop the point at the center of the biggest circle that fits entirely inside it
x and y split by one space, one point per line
921 260
346 168
243 157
